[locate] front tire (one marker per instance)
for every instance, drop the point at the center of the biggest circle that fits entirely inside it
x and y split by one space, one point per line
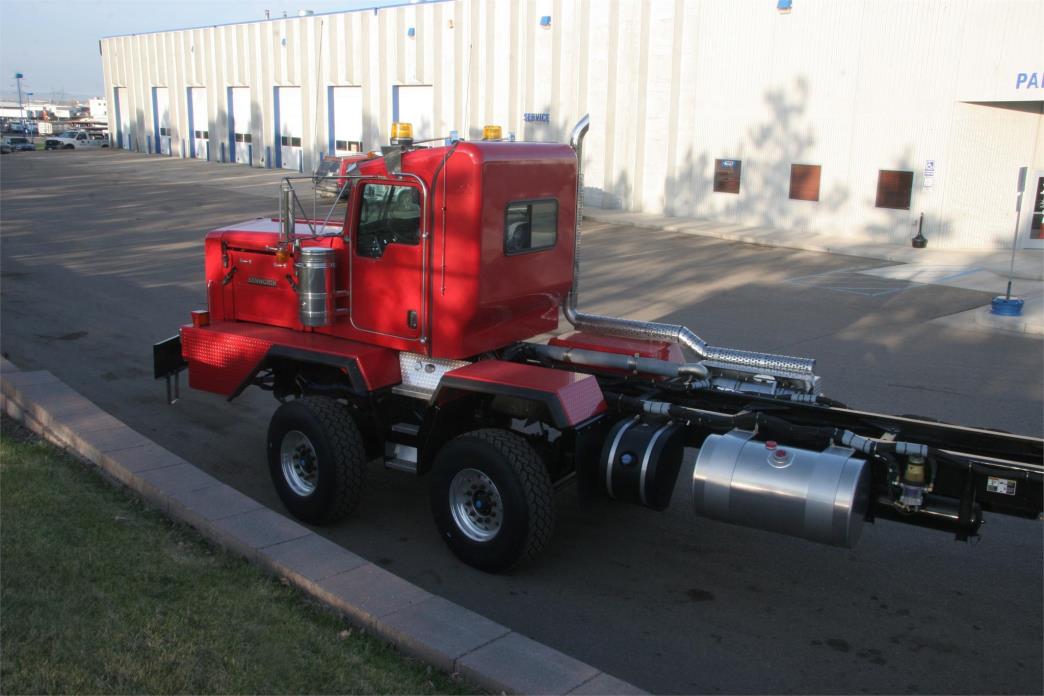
316 459
492 499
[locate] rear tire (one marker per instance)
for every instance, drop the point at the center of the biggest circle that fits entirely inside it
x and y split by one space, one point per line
492 499
316 459
70 147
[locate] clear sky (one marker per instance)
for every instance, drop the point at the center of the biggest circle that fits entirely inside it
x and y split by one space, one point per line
54 43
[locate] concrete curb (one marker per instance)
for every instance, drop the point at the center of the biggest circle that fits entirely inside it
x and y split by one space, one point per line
418 623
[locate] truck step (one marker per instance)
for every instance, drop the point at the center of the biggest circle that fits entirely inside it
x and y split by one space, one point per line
406 429
400 457
401 465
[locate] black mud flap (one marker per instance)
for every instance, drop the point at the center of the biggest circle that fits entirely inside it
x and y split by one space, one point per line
167 363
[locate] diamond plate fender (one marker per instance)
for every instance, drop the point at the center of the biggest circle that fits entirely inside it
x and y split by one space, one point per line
571 398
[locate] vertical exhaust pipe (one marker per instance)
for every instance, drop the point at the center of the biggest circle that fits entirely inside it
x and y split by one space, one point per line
776 365
576 141
287 219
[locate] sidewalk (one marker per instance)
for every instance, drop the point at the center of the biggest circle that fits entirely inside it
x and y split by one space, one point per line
971 269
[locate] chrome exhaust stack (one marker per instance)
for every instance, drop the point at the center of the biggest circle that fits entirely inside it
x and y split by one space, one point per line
726 360
287 221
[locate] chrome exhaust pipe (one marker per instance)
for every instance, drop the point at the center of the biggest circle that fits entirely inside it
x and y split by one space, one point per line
287 221
767 363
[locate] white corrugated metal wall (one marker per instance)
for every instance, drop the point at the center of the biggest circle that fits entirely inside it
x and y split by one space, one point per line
671 85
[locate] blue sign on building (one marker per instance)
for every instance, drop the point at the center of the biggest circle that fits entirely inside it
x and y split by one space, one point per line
536 118
1029 80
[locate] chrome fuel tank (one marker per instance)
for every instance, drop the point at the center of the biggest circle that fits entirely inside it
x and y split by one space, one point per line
819 496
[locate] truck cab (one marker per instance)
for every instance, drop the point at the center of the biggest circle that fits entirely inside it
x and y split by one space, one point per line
460 250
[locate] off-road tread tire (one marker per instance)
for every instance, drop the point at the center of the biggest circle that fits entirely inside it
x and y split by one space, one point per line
536 482
349 459
529 470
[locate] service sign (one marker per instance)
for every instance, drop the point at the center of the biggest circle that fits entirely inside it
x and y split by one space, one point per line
536 118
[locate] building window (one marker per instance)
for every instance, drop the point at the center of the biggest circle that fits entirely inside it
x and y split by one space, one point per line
530 226
893 189
804 182
727 175
164 131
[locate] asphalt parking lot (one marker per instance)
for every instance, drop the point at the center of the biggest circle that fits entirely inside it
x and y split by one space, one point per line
102 256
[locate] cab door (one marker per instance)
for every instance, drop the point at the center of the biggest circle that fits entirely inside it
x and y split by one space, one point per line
388 252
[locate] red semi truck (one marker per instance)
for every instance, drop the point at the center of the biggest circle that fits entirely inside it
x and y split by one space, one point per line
404 332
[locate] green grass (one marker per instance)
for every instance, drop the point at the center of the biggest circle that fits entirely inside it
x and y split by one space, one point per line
100 594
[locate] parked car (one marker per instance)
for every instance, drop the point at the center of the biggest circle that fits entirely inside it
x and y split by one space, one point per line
14 143
75 140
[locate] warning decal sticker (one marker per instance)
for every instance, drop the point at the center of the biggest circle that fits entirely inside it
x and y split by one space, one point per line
1000 485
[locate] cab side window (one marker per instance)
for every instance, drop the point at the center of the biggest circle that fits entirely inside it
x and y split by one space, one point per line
388 214
530 226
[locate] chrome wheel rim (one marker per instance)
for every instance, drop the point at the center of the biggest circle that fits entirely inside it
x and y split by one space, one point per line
476 505
300 463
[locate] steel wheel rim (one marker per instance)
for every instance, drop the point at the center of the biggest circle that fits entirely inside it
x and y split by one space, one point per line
300 463
476 505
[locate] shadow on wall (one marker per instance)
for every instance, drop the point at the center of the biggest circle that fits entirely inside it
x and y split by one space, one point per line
771 147
221 153
782 139
371 133
139 144
257 129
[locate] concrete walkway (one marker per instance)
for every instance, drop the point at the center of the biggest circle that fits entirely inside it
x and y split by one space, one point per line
972 269
426 626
